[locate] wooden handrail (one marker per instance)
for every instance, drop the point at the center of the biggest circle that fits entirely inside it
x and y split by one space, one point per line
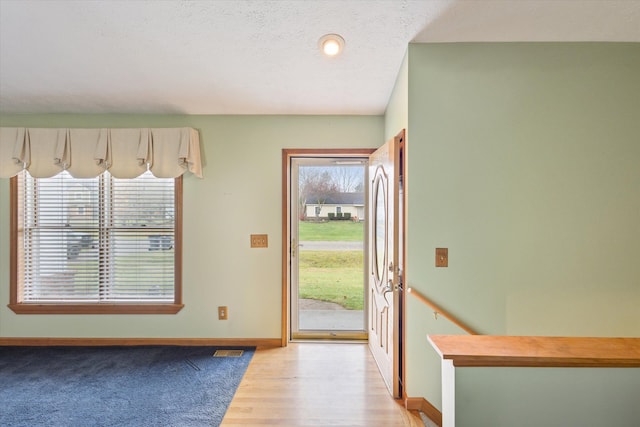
438 310
524 351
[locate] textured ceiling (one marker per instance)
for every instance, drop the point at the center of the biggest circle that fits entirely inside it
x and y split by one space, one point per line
256 56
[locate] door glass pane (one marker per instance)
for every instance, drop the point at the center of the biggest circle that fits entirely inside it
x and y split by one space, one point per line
331 235
380 224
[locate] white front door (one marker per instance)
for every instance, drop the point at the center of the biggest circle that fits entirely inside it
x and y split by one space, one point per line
385 257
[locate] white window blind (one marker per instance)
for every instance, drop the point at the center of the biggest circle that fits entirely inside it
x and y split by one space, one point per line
96 240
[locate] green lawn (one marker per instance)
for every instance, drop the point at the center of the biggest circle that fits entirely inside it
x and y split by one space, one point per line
334 276
346 231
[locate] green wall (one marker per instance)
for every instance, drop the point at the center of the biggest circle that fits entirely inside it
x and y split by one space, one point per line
524 161
549 397
239 195
396 116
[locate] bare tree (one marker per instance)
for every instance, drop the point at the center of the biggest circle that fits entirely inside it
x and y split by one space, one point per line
348 179
315 185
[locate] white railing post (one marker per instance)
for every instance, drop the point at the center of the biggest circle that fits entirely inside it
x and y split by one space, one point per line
448 393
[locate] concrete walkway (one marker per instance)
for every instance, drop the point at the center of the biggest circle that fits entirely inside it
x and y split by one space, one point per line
332 320
321 315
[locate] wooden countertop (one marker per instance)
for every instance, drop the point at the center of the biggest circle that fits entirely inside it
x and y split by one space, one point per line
522 351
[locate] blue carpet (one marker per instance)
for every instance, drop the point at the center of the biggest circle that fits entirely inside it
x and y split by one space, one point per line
117 386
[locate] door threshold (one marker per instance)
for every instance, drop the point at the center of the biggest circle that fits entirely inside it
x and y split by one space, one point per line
330 336
327 341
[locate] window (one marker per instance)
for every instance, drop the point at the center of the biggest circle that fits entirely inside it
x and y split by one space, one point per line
95 245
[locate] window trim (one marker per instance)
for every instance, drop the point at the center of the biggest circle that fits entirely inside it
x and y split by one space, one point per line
19 307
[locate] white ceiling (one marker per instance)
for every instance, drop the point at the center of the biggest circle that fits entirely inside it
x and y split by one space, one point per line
256 56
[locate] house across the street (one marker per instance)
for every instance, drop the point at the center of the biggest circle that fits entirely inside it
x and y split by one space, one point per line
338 204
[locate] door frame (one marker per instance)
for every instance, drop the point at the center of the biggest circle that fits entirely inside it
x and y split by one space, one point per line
287 155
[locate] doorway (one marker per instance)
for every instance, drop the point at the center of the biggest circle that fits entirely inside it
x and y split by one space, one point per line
383 252
327 238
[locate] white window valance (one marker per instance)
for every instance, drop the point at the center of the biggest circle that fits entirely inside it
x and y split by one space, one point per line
85 153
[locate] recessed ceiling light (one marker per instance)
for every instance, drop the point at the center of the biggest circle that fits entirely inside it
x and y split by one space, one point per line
331 44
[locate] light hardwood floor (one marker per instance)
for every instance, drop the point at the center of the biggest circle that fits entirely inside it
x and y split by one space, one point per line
315 384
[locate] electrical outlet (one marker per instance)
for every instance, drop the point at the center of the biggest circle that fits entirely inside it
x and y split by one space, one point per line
223 312
259 241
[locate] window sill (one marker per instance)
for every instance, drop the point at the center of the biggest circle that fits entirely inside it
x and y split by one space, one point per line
95 308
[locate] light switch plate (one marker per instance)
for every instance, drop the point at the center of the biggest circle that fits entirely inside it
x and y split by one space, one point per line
442 257
259 240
